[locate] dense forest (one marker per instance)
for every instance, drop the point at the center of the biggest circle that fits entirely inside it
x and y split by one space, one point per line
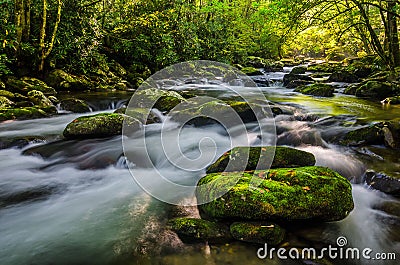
83 37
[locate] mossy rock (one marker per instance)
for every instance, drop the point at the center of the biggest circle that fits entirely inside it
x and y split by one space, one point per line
193 229
286 194
39 99
323 67
343 76
377 90
291 77
319 90
143 115
254 61
61 80
297 83
26 84
7 94
298 70
249 111
366 135
251 71
258 232
22 113
98 126
75 105
247 158
162 100
392 100
5 102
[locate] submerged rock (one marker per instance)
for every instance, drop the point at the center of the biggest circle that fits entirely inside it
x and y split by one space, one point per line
74 105
100 125
306 193
258 232
319 90
247 158
382 182
193 229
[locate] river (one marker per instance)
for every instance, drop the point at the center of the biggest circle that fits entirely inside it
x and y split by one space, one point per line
77 203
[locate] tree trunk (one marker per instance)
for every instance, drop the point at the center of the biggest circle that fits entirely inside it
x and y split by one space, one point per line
393 34
43 52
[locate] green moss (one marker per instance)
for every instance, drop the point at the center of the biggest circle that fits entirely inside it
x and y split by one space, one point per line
38 98
260 233
21 113
251 71
319 90
366 135
283 194
377 90
75 105
26 84
160 99
247 158
100 125
199 229
5 102
7 94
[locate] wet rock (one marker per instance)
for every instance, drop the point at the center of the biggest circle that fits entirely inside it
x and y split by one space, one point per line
31 194
156 98
251 71
297 83
251 158
376 90
343 76
298 70
145 116
20 142
291 77
382 182
366 135
319 90
75 105
306 193
391 133
39 99
64 81
389 207
99 126
26 84
25 113
258 232
392 100
192 229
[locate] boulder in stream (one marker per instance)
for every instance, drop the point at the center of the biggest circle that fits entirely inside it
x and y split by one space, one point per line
75 105
382 182
291 77
100 125
258 232
280 157
288 194
319 90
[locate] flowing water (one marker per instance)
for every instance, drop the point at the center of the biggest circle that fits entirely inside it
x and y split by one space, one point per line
77 203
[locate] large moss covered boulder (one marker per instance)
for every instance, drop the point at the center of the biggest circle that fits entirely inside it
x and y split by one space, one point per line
24 113
258 232
75 105
319 90
192 229
26 84
61 80
162 100
247 158
293 77
39 99
377 90
100 125
291 194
